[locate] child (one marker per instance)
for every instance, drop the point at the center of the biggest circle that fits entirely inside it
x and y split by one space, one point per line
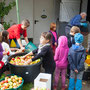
71 41
54 36
2 53
15 32
61 55
5 46
76 59
45 51
70 36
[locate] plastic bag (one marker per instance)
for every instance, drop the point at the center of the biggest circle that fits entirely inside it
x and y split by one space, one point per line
30 47
13 44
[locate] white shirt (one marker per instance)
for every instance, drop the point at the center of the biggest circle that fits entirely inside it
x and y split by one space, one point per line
6 47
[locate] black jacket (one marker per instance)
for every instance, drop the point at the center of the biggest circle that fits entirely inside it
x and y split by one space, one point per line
70 40
47 56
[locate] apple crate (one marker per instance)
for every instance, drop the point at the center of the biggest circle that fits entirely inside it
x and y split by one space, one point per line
18 88
43 80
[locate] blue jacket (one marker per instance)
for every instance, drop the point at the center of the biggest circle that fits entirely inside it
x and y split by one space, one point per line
75 21
76 57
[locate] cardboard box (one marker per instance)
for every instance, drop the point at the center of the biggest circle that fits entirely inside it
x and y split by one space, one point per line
43 80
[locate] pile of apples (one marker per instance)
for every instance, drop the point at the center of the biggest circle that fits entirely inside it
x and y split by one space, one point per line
10 82
19 61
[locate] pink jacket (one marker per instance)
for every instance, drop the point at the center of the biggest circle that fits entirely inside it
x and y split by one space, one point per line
61 53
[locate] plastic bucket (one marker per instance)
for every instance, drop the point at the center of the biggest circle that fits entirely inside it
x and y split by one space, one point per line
18 88
27 72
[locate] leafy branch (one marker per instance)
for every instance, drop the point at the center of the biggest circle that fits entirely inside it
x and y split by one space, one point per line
4 10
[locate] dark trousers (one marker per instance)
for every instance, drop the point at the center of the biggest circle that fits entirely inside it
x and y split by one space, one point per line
50 72
68 71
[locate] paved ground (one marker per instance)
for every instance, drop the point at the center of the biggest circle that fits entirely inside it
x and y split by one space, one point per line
85 85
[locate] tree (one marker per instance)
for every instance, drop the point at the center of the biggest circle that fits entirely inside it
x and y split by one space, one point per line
4 10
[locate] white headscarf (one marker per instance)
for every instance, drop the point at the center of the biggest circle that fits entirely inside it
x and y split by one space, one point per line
41 46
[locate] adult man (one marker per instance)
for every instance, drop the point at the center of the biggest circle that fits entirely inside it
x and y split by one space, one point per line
76 21
15 32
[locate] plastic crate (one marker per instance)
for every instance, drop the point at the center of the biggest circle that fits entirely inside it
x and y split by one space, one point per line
18 88
43 80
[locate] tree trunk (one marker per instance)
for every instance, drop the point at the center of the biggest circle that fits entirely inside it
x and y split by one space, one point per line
2 20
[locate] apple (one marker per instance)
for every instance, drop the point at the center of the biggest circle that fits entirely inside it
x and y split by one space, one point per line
8 53
20 78
13 80
3 88
18 57
15 87
20 81
2 82
9 80
10 87
14 84
13 59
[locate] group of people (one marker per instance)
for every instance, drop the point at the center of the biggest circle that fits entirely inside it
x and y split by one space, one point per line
57 52
6 36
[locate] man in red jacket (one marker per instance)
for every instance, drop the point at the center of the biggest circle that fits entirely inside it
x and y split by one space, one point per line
15 32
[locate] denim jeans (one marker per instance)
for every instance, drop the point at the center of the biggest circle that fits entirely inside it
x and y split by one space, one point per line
79 75
17 45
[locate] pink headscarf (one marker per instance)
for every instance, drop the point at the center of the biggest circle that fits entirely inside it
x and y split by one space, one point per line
61 53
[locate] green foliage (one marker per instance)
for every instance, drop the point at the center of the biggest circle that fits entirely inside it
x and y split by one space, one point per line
6 25
4 10
2 76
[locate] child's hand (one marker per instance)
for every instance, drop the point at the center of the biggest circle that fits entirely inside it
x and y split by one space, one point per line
55 44
23 48
23 57
28 62
19 51
29 54
76 71
5 53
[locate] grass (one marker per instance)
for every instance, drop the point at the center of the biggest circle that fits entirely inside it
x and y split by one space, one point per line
2 76
26 86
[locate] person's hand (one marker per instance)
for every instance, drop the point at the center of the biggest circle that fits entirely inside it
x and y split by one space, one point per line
55 44
18 51
28 62
83 24
76 71
24 62
22 48
5 52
